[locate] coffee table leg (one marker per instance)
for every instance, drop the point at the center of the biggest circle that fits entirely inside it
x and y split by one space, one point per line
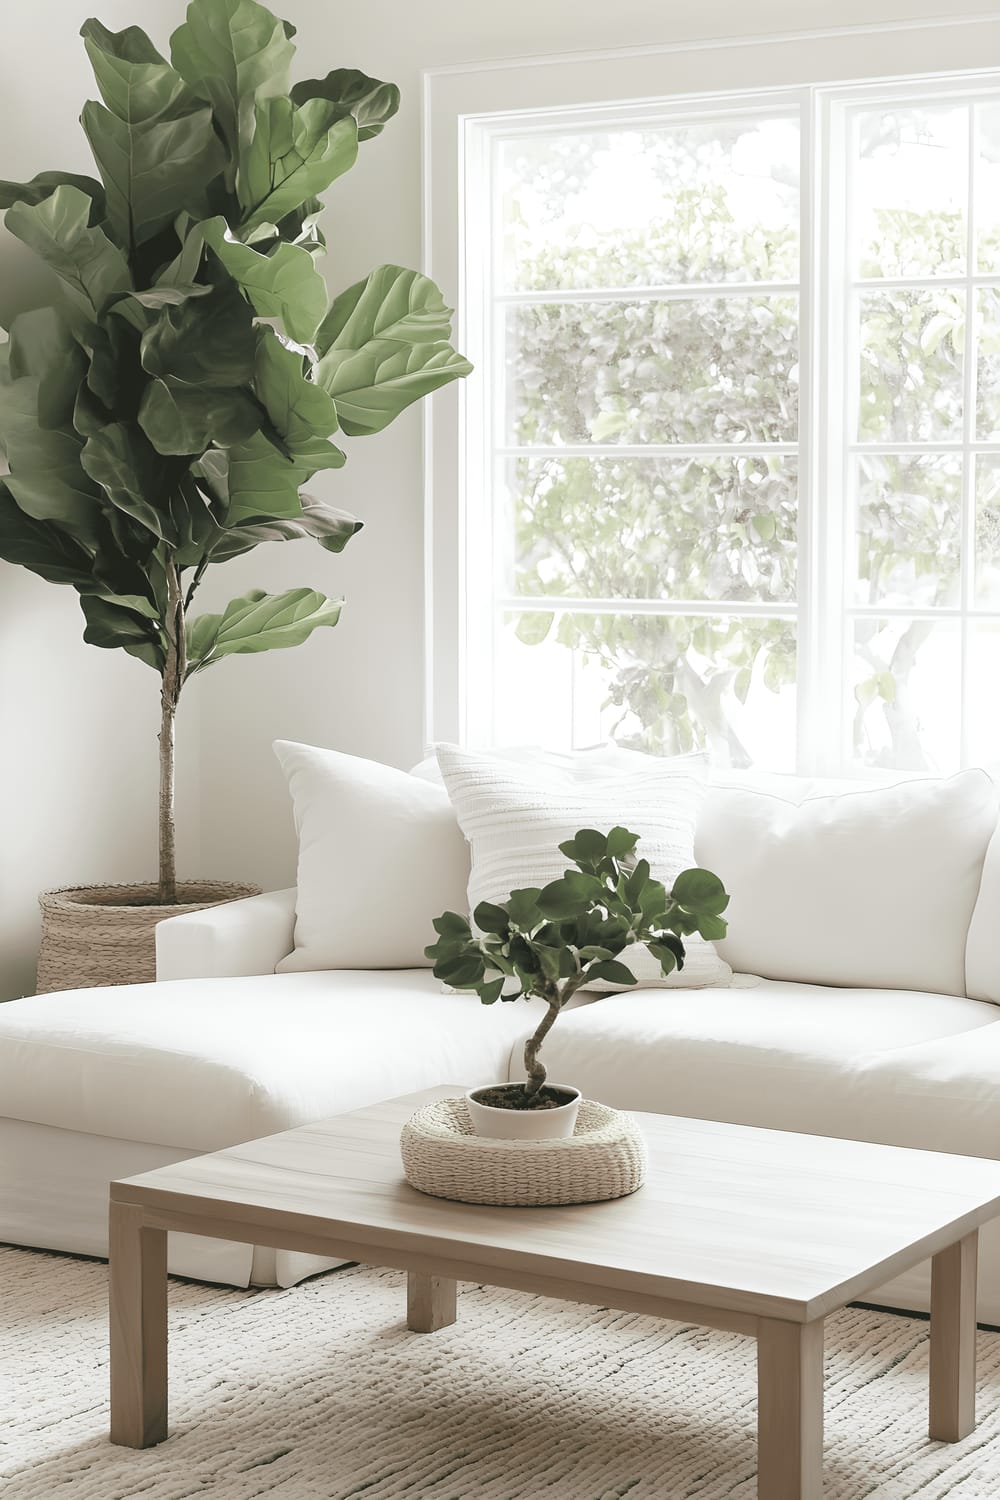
789 1410
138 1317
430 1302
953 1341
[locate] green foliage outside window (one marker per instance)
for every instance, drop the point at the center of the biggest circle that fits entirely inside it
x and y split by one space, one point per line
722 529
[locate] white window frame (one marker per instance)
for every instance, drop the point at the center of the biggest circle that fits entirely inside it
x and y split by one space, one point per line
842 370
819 74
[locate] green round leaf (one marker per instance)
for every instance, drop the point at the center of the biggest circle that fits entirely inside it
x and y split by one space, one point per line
463 972
701 892
669 952
450 924
589 845
620 842
490 918
612 971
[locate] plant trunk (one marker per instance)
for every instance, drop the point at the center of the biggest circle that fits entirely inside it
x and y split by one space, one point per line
535 1069
174 670
168 857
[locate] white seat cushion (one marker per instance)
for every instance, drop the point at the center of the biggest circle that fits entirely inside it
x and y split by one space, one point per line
864 1064
208 1063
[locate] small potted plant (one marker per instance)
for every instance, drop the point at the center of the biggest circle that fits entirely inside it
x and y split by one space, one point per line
552 942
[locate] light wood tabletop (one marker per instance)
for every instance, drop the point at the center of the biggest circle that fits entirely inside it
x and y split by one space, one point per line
758 1231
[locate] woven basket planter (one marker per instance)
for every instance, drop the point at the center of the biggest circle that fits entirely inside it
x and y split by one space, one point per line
105 934
605 1157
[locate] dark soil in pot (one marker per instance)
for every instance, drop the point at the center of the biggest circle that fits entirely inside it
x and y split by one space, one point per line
512 1096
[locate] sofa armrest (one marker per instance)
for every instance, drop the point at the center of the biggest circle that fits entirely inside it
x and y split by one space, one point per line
238 938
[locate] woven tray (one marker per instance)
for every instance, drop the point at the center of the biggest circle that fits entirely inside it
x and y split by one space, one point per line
605 1157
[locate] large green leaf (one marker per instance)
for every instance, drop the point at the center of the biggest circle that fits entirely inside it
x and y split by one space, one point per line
301 412
301 227
186 264
114 375
194 523
173 285
44 185
391 303
384 345
253 482
259 622
47 479
330 527
233 52
41 345
18 401
93 270
153 139
137 84
133 476
182 418
115 626
151 171
372 385
262 485
367 99
126 578
140 308
284 284
40 546
294 155
89 414
206 341
46 476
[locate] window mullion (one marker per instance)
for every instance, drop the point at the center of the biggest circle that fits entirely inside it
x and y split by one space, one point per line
822 728
967 544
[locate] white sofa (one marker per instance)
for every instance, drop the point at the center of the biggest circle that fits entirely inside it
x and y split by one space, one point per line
102 1083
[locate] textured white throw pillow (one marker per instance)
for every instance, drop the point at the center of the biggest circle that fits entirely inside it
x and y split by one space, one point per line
873 887
380 855
515 816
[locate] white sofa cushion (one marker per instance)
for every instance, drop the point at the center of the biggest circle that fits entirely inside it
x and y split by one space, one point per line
872 887
380 855
250 936
205 1063
856 1063
982 951
365 827
515 817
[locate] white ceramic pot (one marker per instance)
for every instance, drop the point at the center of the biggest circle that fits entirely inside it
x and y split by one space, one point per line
524 1124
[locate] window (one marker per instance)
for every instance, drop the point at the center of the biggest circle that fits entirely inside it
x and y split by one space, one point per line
732 459
645 441
922 423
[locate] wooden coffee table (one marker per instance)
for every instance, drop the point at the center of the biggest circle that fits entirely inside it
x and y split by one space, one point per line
759 1232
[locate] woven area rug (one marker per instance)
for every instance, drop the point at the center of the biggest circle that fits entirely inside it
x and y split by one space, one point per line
320 1393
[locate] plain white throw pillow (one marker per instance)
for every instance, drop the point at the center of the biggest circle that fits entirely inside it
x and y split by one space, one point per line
873 887
380 855
516 814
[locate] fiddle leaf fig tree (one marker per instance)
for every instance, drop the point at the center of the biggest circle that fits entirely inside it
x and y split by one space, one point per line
166 412
551 942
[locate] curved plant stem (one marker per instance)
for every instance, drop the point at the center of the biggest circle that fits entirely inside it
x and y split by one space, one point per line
535 1069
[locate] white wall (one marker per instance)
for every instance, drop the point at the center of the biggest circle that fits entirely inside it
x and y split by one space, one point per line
77 753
